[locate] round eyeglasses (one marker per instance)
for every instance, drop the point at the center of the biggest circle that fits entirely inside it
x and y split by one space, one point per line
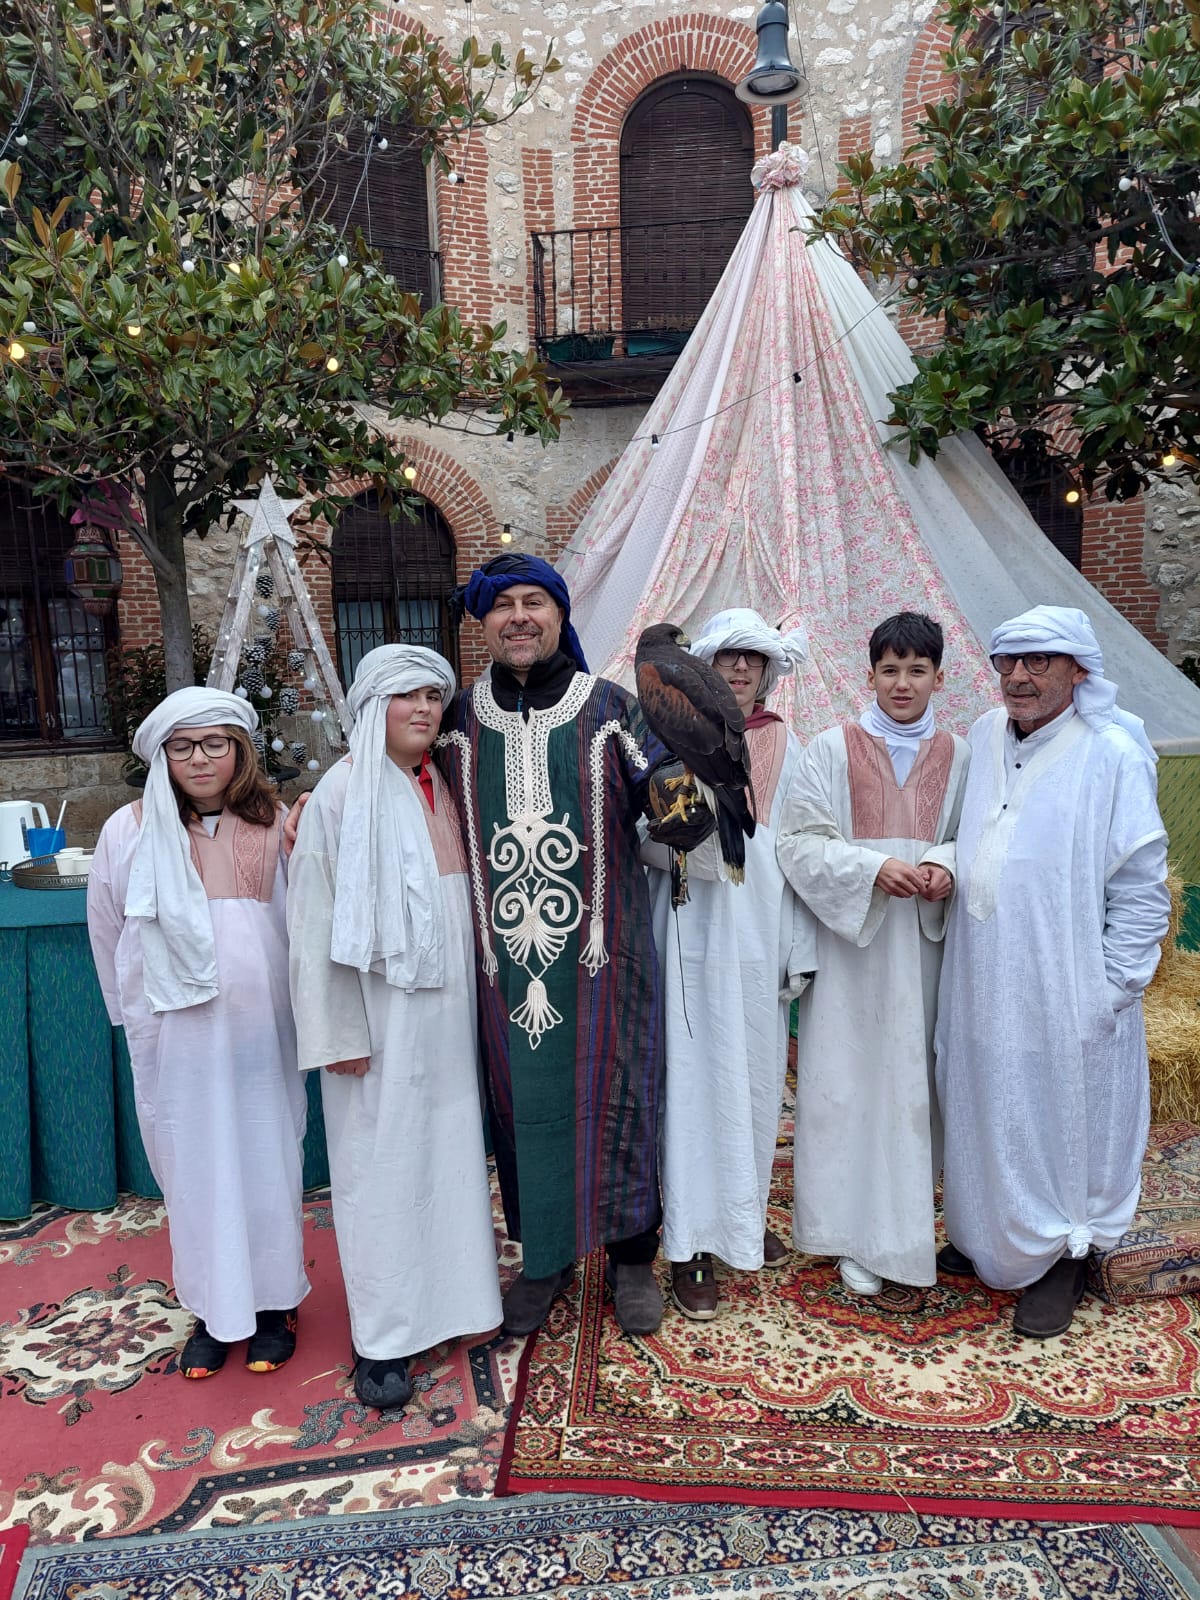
215 745
1035 662
730 658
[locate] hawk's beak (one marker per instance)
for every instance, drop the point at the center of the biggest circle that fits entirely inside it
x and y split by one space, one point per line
685 641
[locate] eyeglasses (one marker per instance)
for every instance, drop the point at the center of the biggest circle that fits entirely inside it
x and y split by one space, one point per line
1035 662
730 658
213 744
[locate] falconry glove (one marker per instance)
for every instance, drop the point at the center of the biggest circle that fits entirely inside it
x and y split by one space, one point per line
672 792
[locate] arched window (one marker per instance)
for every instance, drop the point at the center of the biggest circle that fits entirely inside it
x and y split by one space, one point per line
52 652
1043 483
687 148
391 581
384 194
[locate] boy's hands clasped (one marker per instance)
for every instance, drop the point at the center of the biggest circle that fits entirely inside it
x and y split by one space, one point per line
903 881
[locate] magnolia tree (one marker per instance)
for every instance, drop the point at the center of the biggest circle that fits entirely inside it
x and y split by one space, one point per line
1047 216
177 316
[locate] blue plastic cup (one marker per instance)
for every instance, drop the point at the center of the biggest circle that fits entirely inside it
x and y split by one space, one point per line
45 841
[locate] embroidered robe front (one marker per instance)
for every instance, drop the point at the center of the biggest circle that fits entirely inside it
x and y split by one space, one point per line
868 1137
220 1106
569 1004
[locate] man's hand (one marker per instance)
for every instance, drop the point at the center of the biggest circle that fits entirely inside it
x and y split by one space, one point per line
291 827
354 1068
938 882
897 878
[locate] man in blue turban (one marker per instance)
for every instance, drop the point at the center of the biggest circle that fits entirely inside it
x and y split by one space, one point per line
550 767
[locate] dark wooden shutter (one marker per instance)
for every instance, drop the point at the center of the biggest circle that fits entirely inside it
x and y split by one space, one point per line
389 205
687 148
392 580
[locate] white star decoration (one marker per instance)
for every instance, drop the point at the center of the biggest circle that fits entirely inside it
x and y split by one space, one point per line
269 516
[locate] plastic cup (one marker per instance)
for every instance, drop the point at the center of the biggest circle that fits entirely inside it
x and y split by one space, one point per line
44 841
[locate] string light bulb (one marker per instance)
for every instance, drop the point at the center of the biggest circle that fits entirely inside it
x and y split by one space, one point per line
1072 497
506 534
1125 184
22 140
1169 459
188 265
332 364
410 472
654 441
797 377
343 260
382 144
453 177
133 329
16 350
29 327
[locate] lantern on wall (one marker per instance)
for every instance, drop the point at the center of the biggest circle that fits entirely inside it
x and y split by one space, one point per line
93 571
92 567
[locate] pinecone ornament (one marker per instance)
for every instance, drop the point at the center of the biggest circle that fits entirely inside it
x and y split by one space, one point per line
252 678
299 751
295 660
289 701
254 654
264 584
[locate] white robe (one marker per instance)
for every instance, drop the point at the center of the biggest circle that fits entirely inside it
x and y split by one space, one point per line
411 1203
219 1104
1041 1046
725 957
868 1139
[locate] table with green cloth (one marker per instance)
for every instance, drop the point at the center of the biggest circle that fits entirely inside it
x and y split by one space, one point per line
68 1127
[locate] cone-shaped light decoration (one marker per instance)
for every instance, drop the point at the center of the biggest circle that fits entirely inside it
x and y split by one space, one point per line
773 80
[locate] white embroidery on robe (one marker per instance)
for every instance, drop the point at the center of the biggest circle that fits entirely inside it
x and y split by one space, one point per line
594 954
535 906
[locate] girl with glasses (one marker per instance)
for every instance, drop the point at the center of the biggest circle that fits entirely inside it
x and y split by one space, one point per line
186 912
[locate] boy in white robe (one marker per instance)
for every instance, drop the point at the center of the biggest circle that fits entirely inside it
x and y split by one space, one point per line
731 960
1041 1046
187 922
866 840
383 989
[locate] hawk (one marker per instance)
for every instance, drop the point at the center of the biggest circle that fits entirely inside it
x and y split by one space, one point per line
692 710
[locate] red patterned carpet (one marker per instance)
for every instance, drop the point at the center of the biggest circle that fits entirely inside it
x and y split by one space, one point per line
12 1543
801 1394
102 1437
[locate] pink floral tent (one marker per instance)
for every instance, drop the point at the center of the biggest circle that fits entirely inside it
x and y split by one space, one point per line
771 485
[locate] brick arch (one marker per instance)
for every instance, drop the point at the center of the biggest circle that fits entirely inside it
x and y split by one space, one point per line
562 521
926 78
694 42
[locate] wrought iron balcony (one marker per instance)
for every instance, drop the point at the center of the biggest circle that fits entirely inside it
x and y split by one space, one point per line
626 293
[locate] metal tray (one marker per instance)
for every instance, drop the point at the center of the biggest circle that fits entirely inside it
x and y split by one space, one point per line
43 873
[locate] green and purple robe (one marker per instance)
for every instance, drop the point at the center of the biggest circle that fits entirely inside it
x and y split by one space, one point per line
569 1003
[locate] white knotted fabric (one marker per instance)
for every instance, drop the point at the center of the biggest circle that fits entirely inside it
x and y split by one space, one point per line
165 895
903 739
387 912
1063 630
739 628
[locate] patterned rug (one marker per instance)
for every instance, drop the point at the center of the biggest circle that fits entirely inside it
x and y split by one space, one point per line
801 1394
621 1550
101 1436
12 1543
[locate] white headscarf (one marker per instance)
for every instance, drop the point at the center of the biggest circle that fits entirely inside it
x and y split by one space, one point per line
387 903
1061 630
743 629
165 894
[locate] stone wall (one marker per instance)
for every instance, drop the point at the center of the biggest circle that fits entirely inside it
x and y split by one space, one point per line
92 785
1173 563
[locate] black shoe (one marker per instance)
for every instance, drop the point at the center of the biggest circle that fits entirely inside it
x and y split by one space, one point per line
527 1303
1047 1307
273 1341
953 1262
202 1355
382 1384
637 1297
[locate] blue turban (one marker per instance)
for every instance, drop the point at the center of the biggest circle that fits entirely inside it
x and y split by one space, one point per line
478 595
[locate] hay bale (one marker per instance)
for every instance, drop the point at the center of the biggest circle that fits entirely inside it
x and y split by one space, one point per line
1172 1008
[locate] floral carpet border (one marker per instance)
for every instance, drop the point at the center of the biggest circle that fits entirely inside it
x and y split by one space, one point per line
578 1364
622 1547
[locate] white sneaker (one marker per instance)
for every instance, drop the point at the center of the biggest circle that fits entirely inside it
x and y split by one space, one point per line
857 1279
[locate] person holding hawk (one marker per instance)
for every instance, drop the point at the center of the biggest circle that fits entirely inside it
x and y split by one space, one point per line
732 958
551 769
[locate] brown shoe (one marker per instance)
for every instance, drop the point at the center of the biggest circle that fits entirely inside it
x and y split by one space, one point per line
694 1287
1047 1307
528 1301
775 1252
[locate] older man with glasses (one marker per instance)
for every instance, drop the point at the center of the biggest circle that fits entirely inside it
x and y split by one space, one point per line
1054 934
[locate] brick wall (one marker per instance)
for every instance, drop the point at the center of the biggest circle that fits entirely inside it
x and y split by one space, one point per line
1114 542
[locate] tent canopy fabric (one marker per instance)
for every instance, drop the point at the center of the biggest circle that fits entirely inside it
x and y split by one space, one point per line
773 485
